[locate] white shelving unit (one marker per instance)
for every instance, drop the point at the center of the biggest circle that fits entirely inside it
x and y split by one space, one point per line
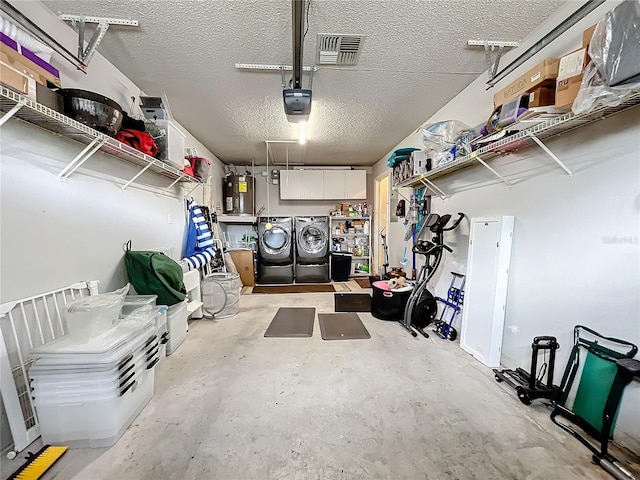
354 243
14 105
527 136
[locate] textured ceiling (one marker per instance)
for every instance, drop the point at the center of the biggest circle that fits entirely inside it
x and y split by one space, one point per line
414 60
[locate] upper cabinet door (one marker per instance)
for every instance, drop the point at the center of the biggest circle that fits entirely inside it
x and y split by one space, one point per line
334 184
291 184
356 184
312 184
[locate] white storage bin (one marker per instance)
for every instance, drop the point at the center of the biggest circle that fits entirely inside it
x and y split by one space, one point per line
89 317
176 326
94 423
132 302
171 147
103 351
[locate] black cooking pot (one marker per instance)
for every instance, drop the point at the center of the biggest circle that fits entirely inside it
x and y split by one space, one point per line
92 109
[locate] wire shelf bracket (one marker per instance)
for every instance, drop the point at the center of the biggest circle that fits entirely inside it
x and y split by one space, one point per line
550 153
7 116
82 157
429 184
486 165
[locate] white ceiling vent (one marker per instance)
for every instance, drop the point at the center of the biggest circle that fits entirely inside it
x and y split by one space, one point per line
339 49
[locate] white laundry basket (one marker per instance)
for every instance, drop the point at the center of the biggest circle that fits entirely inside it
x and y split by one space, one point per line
221 295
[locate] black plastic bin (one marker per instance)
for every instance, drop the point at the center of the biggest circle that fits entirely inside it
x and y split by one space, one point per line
388 304
340 266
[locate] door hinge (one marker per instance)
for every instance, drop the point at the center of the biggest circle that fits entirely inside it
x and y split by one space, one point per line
497 244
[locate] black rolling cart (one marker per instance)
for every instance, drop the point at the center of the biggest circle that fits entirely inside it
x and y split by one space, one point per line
529 385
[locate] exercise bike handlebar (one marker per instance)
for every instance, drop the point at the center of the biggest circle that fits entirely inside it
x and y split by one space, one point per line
456 223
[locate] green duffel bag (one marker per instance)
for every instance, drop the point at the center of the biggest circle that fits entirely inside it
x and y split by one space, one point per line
153 273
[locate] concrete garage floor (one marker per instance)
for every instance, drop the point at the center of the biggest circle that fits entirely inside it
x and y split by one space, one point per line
231 404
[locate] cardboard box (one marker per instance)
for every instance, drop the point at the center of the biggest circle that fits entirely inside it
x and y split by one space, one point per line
586 36
542 97
22 63
542 75
243 260
586 40
570 78
16 79
567 91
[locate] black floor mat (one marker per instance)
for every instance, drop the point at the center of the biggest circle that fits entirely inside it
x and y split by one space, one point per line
352 302
342 326
292 322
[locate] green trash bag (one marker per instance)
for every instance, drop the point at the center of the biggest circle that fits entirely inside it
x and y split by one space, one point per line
153 273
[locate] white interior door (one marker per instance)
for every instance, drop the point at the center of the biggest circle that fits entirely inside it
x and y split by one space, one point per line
486 288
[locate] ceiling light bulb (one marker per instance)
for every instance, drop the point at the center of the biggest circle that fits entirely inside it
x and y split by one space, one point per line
303 133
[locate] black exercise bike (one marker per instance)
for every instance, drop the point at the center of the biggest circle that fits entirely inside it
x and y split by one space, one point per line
422 307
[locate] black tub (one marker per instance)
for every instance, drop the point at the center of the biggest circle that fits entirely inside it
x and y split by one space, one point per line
92 109
388 304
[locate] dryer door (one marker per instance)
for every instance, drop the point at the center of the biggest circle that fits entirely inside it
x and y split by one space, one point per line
275 241
313 240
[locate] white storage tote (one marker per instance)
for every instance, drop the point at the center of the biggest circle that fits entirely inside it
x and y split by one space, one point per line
176 326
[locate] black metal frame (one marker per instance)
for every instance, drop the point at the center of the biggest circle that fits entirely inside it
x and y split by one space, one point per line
526 384
628 368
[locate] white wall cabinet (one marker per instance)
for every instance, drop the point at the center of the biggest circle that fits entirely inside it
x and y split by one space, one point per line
323 184
291 184
485 295
355 184
334 184
312 185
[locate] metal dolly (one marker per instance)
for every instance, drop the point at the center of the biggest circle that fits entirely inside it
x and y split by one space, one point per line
527 385
454 301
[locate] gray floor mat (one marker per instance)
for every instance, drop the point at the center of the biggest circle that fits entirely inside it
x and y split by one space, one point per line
352 302
342 326
292 322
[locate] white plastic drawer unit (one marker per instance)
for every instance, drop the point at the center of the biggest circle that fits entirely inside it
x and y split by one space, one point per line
172 145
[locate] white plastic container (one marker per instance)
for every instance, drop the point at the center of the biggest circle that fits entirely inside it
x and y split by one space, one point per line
177 326
94 423
175 141
132 302
88 317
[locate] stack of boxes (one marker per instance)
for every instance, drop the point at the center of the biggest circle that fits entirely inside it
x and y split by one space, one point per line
570 72
23 71
554 82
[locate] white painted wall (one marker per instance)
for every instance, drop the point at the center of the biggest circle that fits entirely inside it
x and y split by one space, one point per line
565 268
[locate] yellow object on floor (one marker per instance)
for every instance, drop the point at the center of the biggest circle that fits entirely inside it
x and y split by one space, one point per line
39 463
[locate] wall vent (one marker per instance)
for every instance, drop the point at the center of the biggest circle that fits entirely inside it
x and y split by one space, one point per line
338 49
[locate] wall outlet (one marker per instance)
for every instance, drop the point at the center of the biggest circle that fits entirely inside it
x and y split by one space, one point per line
169 219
